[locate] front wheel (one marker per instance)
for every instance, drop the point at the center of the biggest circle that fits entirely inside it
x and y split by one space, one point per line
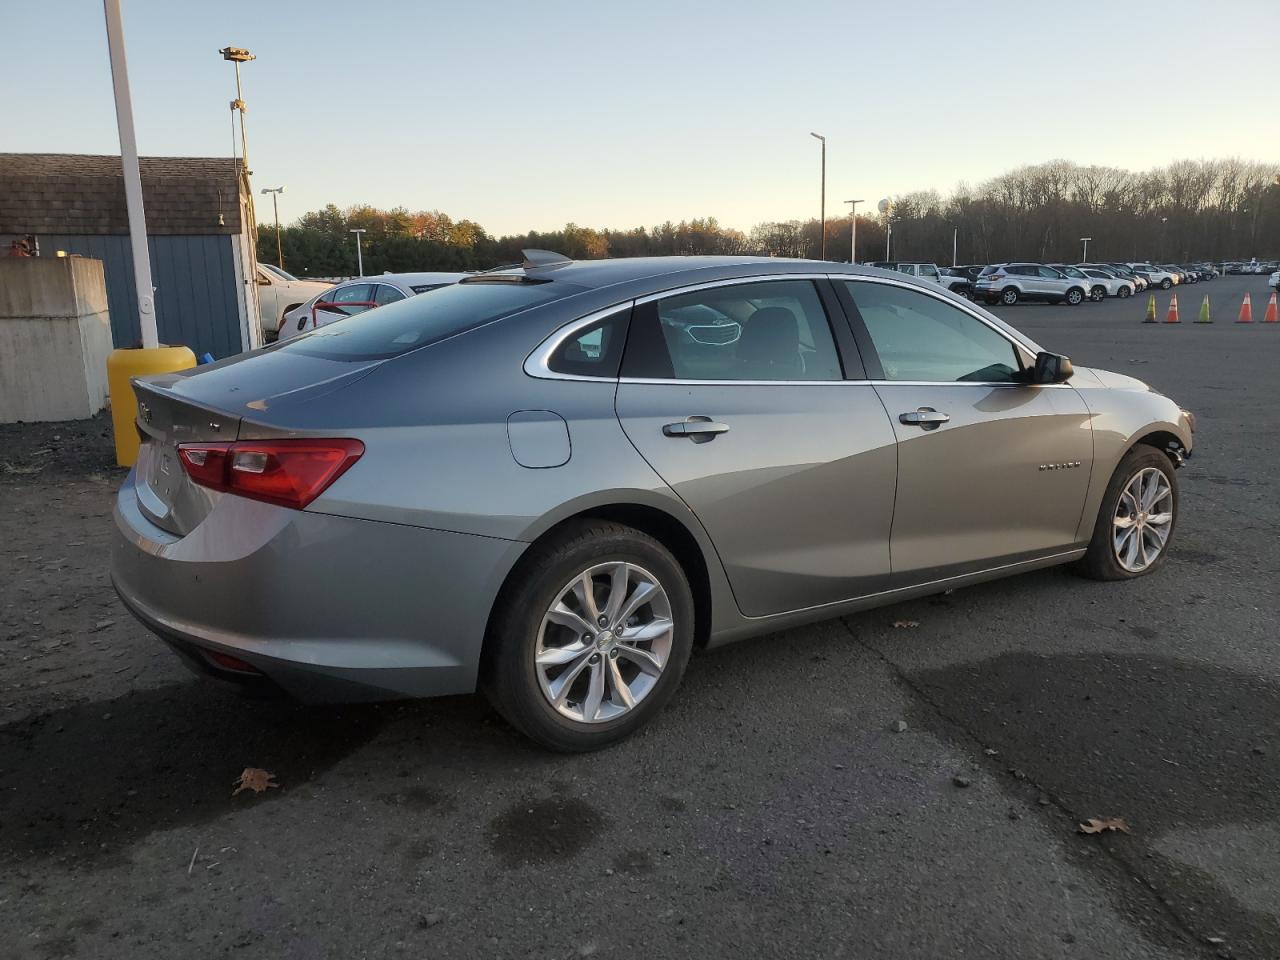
1136 519
590 637
1074 296
1125 293
1166 283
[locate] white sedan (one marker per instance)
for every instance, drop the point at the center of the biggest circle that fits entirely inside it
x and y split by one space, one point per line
278 293
350 297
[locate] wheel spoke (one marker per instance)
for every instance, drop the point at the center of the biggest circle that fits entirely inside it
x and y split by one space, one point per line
595 692
643 659
621 693
555 656
1159 519
1123 523
619 580
1131 549
567 618
1141 540
653 630
642 594
584 589
559 688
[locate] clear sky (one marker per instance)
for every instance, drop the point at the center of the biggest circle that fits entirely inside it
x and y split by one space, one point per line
530 115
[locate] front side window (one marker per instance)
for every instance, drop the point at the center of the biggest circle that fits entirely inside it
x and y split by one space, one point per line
919 337
1050 273
771 330
929 272
344 301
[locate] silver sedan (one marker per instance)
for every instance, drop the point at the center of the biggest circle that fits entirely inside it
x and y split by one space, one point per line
554 481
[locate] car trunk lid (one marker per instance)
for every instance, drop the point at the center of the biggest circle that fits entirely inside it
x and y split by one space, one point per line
208 406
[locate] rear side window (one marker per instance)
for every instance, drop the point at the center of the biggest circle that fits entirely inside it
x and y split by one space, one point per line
385 293
595 351
772 330
417 321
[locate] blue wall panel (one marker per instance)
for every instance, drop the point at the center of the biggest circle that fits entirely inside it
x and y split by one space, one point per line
195 288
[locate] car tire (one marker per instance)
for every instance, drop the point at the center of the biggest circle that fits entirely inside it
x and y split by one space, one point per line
1098 294
1103 559
1074 296
1009 296
522 691
1125 292
1166 283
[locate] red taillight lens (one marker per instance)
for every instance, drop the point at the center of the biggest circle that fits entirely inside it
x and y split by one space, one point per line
290 473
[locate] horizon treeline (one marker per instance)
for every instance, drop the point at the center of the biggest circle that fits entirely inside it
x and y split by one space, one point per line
1188 210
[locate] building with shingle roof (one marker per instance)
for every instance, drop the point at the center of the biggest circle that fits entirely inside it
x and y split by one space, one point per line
199 213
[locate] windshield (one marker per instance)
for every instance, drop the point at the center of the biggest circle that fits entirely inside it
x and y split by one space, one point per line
400 327
277 272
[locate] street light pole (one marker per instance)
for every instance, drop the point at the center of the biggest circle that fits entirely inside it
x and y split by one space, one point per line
359 255
823 215
1084 254
239 55
853 230
132 176
275 192
955 245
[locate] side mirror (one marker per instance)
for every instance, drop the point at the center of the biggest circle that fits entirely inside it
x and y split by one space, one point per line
1052 368
264 281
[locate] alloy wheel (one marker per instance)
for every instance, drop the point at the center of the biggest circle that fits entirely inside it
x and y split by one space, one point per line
604 642
1143 520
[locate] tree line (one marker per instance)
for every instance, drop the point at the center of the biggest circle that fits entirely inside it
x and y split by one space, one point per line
1189 210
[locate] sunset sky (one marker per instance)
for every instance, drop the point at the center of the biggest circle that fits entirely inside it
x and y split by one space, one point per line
528 116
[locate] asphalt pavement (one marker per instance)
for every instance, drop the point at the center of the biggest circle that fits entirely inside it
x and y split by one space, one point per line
904 783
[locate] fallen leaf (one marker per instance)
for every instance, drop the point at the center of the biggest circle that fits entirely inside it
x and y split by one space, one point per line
905 624
1101 826
255 779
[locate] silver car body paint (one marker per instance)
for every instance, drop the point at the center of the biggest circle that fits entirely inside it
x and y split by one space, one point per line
817 502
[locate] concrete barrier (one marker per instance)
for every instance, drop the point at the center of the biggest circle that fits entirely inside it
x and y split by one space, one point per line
55 335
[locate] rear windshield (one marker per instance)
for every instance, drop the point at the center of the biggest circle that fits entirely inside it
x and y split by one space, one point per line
400 327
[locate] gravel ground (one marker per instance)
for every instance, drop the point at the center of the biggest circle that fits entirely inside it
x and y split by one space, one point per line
851 789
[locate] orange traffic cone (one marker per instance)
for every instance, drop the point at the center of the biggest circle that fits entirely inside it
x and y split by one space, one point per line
1246 311
1270 316
1172 316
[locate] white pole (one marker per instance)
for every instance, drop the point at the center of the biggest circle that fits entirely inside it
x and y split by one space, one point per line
132 177
853 230
955 239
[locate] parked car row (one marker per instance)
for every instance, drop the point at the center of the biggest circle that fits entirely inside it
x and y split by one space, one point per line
1252 267
1054 282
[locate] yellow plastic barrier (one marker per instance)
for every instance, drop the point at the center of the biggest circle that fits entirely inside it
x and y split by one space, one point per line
123 365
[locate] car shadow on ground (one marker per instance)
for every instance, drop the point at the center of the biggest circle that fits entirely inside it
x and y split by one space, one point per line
84 781
1175 748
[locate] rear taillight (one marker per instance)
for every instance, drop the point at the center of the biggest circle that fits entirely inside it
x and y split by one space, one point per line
995 276
290 473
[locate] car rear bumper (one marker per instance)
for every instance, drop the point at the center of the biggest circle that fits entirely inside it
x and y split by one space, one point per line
330 609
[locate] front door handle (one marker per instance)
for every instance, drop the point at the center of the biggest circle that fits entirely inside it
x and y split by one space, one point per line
926 417
697 429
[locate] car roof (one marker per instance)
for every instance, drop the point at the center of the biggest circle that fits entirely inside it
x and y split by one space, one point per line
668 271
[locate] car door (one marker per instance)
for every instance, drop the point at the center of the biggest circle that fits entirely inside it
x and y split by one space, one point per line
736 395
1053 282
990 471
268 302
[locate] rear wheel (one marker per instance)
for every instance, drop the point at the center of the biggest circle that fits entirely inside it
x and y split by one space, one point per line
1098 294
1136 519
590 638
1009 296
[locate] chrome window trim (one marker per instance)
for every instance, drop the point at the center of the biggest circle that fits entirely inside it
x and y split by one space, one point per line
537 363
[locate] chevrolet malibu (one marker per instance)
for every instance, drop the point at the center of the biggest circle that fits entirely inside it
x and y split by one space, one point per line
553 481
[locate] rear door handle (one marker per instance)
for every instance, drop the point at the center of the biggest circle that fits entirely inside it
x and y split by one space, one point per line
926 417
697 429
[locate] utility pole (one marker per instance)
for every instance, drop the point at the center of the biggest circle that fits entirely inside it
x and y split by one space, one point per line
359 255
822 219
275 192
239 55
853 230
1084 254
132 177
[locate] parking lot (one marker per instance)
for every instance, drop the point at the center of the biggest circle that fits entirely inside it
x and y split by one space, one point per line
901 783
